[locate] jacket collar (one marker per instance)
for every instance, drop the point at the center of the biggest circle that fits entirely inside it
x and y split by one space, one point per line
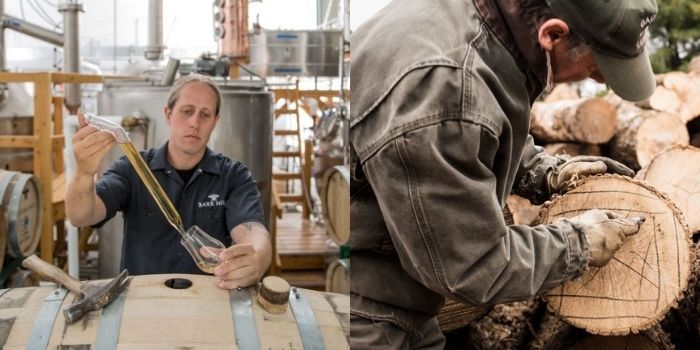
512 22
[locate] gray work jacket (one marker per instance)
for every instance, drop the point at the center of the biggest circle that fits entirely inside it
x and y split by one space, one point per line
439 138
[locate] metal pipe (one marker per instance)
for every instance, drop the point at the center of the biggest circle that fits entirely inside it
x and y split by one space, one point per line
32 30
71 51
170 72
154 51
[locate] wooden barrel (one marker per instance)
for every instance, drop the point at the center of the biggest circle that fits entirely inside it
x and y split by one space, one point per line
336 203
175 311
17 159
21 211
338 277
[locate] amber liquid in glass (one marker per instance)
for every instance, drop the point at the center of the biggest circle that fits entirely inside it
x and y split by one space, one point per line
208 268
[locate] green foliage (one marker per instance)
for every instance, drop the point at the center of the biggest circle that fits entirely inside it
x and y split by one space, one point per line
676 31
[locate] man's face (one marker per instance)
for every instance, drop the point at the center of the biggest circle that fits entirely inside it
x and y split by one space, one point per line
193 118
571 64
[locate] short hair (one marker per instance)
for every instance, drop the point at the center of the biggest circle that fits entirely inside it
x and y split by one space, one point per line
193 77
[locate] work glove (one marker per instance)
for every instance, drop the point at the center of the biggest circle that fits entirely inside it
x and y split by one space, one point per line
582 166
605 232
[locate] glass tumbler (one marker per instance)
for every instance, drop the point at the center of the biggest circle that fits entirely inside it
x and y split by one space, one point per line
203 248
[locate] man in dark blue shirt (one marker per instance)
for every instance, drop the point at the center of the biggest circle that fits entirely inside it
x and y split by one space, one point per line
208 189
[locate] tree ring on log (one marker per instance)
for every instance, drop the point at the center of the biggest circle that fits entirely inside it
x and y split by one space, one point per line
645 277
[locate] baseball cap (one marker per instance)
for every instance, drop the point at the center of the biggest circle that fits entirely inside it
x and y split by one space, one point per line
616 32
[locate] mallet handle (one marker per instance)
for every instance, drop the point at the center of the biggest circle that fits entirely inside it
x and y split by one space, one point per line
52 273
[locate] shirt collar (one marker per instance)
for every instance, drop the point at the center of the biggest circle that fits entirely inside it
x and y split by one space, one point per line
208 164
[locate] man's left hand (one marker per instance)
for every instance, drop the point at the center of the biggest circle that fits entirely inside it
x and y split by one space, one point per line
582 166
239 267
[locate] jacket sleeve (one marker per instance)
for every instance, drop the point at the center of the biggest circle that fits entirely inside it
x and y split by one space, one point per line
531 180
437 195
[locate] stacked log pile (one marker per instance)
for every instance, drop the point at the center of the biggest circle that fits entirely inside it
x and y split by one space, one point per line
655 138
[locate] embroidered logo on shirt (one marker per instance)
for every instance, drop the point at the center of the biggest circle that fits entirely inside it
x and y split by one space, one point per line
213 201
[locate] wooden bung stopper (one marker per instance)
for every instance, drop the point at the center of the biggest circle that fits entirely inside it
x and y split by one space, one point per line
273 295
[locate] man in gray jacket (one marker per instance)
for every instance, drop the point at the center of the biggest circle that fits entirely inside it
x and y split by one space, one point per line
442 91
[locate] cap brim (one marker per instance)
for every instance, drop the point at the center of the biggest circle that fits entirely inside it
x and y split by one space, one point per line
630 78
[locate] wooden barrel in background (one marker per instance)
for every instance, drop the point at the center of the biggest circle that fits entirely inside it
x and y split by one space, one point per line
336 203
21 211
338 277
16 159
177 311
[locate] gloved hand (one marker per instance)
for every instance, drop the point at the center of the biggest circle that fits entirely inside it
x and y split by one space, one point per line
605 232
581 166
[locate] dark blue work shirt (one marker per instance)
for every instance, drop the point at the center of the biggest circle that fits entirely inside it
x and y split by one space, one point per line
220 195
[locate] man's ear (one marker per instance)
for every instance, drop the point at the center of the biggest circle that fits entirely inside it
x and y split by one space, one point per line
167 112
552 32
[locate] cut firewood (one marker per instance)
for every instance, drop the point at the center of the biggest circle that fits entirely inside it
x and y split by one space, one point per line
644 278
641 134
678 82
584 120
675 172
524 212
664 100
572 149
691 105
694 65
454 315
562 92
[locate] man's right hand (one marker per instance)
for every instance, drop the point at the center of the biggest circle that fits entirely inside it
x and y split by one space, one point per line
605 232
89 146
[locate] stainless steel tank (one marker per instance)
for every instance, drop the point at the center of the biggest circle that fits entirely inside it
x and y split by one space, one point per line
296 52
244 131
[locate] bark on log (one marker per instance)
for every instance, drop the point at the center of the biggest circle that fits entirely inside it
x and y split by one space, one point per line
555 334
675 172
695 140
651 339
506 327
683 324
584 120
644 278
454 315
572 149
641 134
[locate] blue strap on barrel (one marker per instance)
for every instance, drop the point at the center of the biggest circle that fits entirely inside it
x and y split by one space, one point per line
43 324
310 334
110 324
243 319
